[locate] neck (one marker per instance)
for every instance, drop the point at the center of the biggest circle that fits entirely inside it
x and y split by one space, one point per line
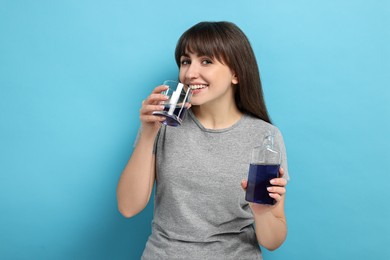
217 116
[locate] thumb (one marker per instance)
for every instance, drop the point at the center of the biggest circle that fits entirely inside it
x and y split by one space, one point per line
281 172
244 184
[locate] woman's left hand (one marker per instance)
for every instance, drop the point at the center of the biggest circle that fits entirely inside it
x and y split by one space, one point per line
278 188
276 191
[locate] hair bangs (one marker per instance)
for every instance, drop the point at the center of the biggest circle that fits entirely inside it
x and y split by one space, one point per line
204 41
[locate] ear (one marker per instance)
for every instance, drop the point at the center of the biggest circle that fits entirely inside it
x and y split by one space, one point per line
235 79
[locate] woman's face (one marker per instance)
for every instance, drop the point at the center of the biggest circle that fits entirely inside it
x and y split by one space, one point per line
210 80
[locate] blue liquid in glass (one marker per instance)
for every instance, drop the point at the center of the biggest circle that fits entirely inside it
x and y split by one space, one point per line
172 120
258 181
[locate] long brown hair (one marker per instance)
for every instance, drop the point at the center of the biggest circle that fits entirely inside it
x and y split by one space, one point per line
226 42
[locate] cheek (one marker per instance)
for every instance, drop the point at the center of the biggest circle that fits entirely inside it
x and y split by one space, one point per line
181 75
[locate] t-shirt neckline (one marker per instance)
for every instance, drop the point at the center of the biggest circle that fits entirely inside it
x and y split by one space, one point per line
221 130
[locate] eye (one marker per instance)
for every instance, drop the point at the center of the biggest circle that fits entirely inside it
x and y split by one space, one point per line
185 62
207 61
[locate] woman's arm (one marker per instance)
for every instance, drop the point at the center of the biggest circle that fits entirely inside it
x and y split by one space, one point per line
270 221
271 226
137 179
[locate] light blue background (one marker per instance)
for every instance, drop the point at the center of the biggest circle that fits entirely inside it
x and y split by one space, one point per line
72 78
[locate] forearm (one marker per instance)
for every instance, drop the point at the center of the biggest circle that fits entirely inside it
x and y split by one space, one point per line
136 182
271 227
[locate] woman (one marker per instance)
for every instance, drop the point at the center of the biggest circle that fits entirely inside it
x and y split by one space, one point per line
200 208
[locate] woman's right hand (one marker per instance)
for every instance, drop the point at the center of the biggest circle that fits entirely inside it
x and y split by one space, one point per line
152 123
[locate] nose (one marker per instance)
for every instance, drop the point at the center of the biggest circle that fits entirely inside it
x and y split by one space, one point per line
192 71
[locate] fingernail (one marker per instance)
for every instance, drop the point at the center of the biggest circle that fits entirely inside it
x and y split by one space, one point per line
272 181
269 188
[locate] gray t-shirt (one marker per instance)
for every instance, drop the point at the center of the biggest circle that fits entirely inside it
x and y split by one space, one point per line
200 209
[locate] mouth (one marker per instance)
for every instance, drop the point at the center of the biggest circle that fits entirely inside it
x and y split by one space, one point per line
197 87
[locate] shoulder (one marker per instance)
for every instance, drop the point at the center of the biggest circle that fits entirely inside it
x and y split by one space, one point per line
257 124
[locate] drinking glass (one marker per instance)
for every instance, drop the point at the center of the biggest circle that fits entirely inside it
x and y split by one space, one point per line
264 166
176 106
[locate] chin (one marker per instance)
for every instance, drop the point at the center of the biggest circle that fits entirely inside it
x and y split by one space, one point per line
196 103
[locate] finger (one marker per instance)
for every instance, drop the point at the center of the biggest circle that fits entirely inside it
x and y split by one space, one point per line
155 98
151 118
156 95
276 189
244 184
275 196
278 182
148 109
160 88
281 172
